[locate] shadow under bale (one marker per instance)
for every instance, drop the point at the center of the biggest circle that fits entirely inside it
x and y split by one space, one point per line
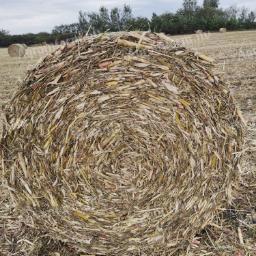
121 144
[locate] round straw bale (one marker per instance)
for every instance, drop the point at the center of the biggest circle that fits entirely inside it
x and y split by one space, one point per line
16 50
199 31
122 144
25 46
63 42
223 30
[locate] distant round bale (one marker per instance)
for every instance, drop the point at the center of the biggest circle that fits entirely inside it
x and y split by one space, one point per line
25 46
199 31
121 144
16 50
223 30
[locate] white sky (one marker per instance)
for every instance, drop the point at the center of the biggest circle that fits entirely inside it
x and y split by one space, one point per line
24 16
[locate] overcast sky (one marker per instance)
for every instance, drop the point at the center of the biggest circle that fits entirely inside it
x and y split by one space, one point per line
24 16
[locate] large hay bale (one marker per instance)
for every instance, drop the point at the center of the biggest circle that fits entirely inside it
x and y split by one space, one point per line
121 144
199 31
16 50
25 46
223 30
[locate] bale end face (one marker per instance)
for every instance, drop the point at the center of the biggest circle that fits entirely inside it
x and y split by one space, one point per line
199 31
125 141
223 30
16 50
25 46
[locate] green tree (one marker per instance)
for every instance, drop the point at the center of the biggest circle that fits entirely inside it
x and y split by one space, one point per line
252 17
138 23
104 19
156 23
243 15
3 32
250 21
231 12
189 6
126 17
115 19
211 4
83 24
211 17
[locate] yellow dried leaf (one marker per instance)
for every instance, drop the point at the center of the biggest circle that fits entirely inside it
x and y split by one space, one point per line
53 201
177 119
129 44
184 103
112 83
213 161
81 215
48 143
205 57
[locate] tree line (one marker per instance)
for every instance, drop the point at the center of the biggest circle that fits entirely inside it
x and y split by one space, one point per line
190 17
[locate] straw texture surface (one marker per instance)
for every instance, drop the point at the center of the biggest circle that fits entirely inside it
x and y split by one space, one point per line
121 144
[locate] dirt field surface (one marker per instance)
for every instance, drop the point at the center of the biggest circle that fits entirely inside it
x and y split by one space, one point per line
234 232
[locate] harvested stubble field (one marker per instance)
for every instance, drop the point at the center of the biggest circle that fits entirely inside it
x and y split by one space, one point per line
13 70
233 233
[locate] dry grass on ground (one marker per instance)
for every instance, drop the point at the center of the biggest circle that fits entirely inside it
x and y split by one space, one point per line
13 70
233 233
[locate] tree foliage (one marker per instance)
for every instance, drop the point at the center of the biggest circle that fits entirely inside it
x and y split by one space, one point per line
3 32
211 4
